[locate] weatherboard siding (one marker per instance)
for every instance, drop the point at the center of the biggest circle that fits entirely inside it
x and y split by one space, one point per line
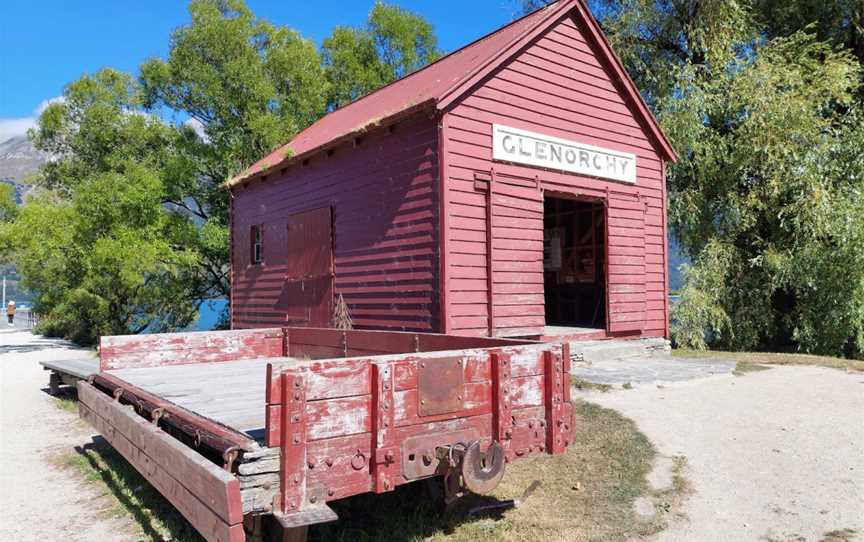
559 87
385 207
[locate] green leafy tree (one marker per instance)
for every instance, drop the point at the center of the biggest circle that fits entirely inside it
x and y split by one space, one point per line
393 43
528 6
129 230
247 86
97 245
8 205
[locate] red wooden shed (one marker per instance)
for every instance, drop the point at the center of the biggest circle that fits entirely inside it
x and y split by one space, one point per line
515 187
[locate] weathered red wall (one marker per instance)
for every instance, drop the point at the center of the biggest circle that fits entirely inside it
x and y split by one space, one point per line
385 206
558 87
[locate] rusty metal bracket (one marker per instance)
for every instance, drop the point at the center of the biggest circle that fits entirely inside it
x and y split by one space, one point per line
440 386
230 456
156 414
419 454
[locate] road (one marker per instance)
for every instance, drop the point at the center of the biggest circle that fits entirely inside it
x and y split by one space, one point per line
40 498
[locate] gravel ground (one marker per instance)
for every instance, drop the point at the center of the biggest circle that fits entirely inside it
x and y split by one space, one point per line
776 455
39 499
649 370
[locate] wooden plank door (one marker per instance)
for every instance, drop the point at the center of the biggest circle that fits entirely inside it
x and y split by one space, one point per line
307 298
625 263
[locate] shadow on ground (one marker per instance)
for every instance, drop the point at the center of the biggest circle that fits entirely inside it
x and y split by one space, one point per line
155 516
411 512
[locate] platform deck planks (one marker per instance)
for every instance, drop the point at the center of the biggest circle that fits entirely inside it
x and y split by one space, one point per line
232 394
78 368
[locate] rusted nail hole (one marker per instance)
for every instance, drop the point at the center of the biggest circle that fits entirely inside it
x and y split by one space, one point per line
410 457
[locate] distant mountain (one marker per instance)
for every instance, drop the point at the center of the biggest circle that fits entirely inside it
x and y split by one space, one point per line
19 159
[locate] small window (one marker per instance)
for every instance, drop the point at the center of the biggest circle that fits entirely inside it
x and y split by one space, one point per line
257 240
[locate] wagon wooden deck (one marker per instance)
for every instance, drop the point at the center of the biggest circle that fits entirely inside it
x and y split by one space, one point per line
231 394
69 371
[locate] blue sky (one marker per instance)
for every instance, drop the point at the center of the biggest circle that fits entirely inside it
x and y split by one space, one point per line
49 43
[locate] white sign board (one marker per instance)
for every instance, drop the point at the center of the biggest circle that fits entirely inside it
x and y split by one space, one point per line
524 147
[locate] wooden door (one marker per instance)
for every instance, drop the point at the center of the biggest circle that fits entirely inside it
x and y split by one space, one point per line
307 298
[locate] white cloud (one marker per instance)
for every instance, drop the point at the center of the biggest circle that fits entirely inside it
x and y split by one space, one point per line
43 105
17 127
196 125
10 128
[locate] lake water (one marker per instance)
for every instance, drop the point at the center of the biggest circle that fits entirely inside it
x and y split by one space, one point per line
208 315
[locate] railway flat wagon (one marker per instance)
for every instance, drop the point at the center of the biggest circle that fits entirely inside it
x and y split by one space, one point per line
251 433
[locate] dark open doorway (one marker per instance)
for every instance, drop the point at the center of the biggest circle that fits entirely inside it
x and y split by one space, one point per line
574 263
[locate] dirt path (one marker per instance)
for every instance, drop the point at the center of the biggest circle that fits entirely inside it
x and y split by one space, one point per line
39 499
774 456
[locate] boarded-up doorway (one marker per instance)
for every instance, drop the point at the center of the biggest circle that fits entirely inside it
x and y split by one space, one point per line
307 296
574 267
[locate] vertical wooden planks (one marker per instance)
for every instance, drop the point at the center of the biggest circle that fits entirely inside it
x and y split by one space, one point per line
385 450
293 443
502 406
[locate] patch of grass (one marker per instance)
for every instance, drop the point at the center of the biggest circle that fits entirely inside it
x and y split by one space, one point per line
774 358
744 367
129 494
582 384
587 494
627 386
66 403
839 535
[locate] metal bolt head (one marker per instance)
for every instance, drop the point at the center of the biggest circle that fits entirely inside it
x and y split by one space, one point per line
330 492
329 461
313 499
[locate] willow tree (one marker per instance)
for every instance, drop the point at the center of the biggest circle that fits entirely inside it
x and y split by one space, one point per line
763 111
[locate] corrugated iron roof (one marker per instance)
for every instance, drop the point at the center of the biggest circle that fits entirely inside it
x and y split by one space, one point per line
425 88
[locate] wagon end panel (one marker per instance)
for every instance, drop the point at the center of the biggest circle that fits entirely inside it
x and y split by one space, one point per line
350 426
206 495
